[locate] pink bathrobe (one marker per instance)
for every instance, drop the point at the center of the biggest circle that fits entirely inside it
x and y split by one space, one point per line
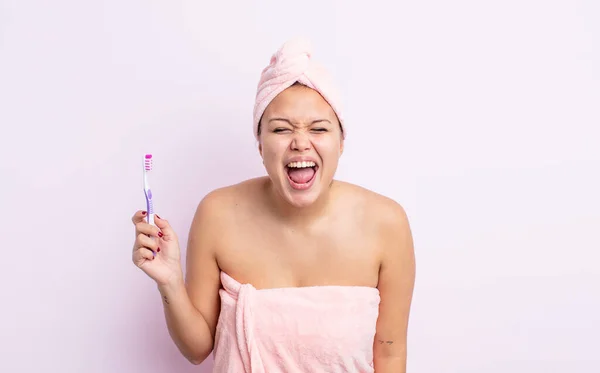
295 330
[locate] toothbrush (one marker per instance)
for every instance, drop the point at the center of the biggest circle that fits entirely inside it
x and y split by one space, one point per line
147 191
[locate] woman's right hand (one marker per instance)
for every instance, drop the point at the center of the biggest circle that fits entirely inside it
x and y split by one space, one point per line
156 249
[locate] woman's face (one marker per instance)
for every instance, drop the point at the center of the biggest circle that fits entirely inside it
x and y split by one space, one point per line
300 143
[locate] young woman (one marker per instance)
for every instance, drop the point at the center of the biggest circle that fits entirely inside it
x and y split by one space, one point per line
294 271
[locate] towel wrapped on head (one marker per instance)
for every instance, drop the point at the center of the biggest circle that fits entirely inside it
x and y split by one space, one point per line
292 63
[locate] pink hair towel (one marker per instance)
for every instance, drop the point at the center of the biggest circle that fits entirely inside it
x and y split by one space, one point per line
312 329
292 63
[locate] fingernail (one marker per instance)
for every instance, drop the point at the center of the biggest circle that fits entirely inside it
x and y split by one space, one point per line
160 234
158 250
144 212
157 216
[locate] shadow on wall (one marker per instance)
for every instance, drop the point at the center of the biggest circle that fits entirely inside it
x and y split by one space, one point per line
201 156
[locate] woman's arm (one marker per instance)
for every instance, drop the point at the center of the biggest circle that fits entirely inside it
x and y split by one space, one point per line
396 283
192 306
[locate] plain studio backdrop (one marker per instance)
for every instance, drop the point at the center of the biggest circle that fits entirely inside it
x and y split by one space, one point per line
480 117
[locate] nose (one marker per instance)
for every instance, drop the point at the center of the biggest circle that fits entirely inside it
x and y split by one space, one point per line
300 142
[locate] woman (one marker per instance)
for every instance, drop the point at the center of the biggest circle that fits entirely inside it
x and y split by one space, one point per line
295 271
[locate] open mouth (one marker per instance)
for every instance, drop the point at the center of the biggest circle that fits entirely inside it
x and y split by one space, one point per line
301 174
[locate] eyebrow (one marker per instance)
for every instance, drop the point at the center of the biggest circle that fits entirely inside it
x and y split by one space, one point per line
288 121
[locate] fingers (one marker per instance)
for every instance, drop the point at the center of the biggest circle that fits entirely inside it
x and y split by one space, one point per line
148 229
139 216
142 225
143 241
167 232
146 246
141 255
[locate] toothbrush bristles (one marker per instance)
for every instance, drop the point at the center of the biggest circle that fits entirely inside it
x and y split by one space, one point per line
148 162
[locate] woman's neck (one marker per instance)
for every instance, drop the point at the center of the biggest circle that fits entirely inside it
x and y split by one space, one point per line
295 215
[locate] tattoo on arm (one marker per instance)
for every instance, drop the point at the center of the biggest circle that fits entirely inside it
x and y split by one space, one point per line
386 342
165 299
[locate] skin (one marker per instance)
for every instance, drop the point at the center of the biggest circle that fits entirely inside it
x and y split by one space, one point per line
335 233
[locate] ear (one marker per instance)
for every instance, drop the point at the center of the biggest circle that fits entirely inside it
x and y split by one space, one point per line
260 149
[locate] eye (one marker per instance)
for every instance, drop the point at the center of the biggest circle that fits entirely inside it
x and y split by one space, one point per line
280 130
320 129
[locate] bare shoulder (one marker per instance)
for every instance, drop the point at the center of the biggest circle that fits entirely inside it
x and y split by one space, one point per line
224 202
212 221
387 222
383 211
391 231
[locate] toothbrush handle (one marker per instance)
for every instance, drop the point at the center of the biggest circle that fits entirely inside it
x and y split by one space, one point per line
149 207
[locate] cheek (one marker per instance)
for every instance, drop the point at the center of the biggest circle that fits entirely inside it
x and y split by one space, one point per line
328 148
272 152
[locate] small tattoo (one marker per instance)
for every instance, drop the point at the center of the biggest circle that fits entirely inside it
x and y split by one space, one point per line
386 342
165 299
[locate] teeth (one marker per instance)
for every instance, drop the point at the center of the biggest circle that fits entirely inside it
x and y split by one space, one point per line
303 164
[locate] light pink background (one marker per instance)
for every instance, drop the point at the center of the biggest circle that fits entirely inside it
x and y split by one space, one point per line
481 118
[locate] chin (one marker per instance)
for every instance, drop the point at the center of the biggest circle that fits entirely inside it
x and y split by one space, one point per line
301 200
